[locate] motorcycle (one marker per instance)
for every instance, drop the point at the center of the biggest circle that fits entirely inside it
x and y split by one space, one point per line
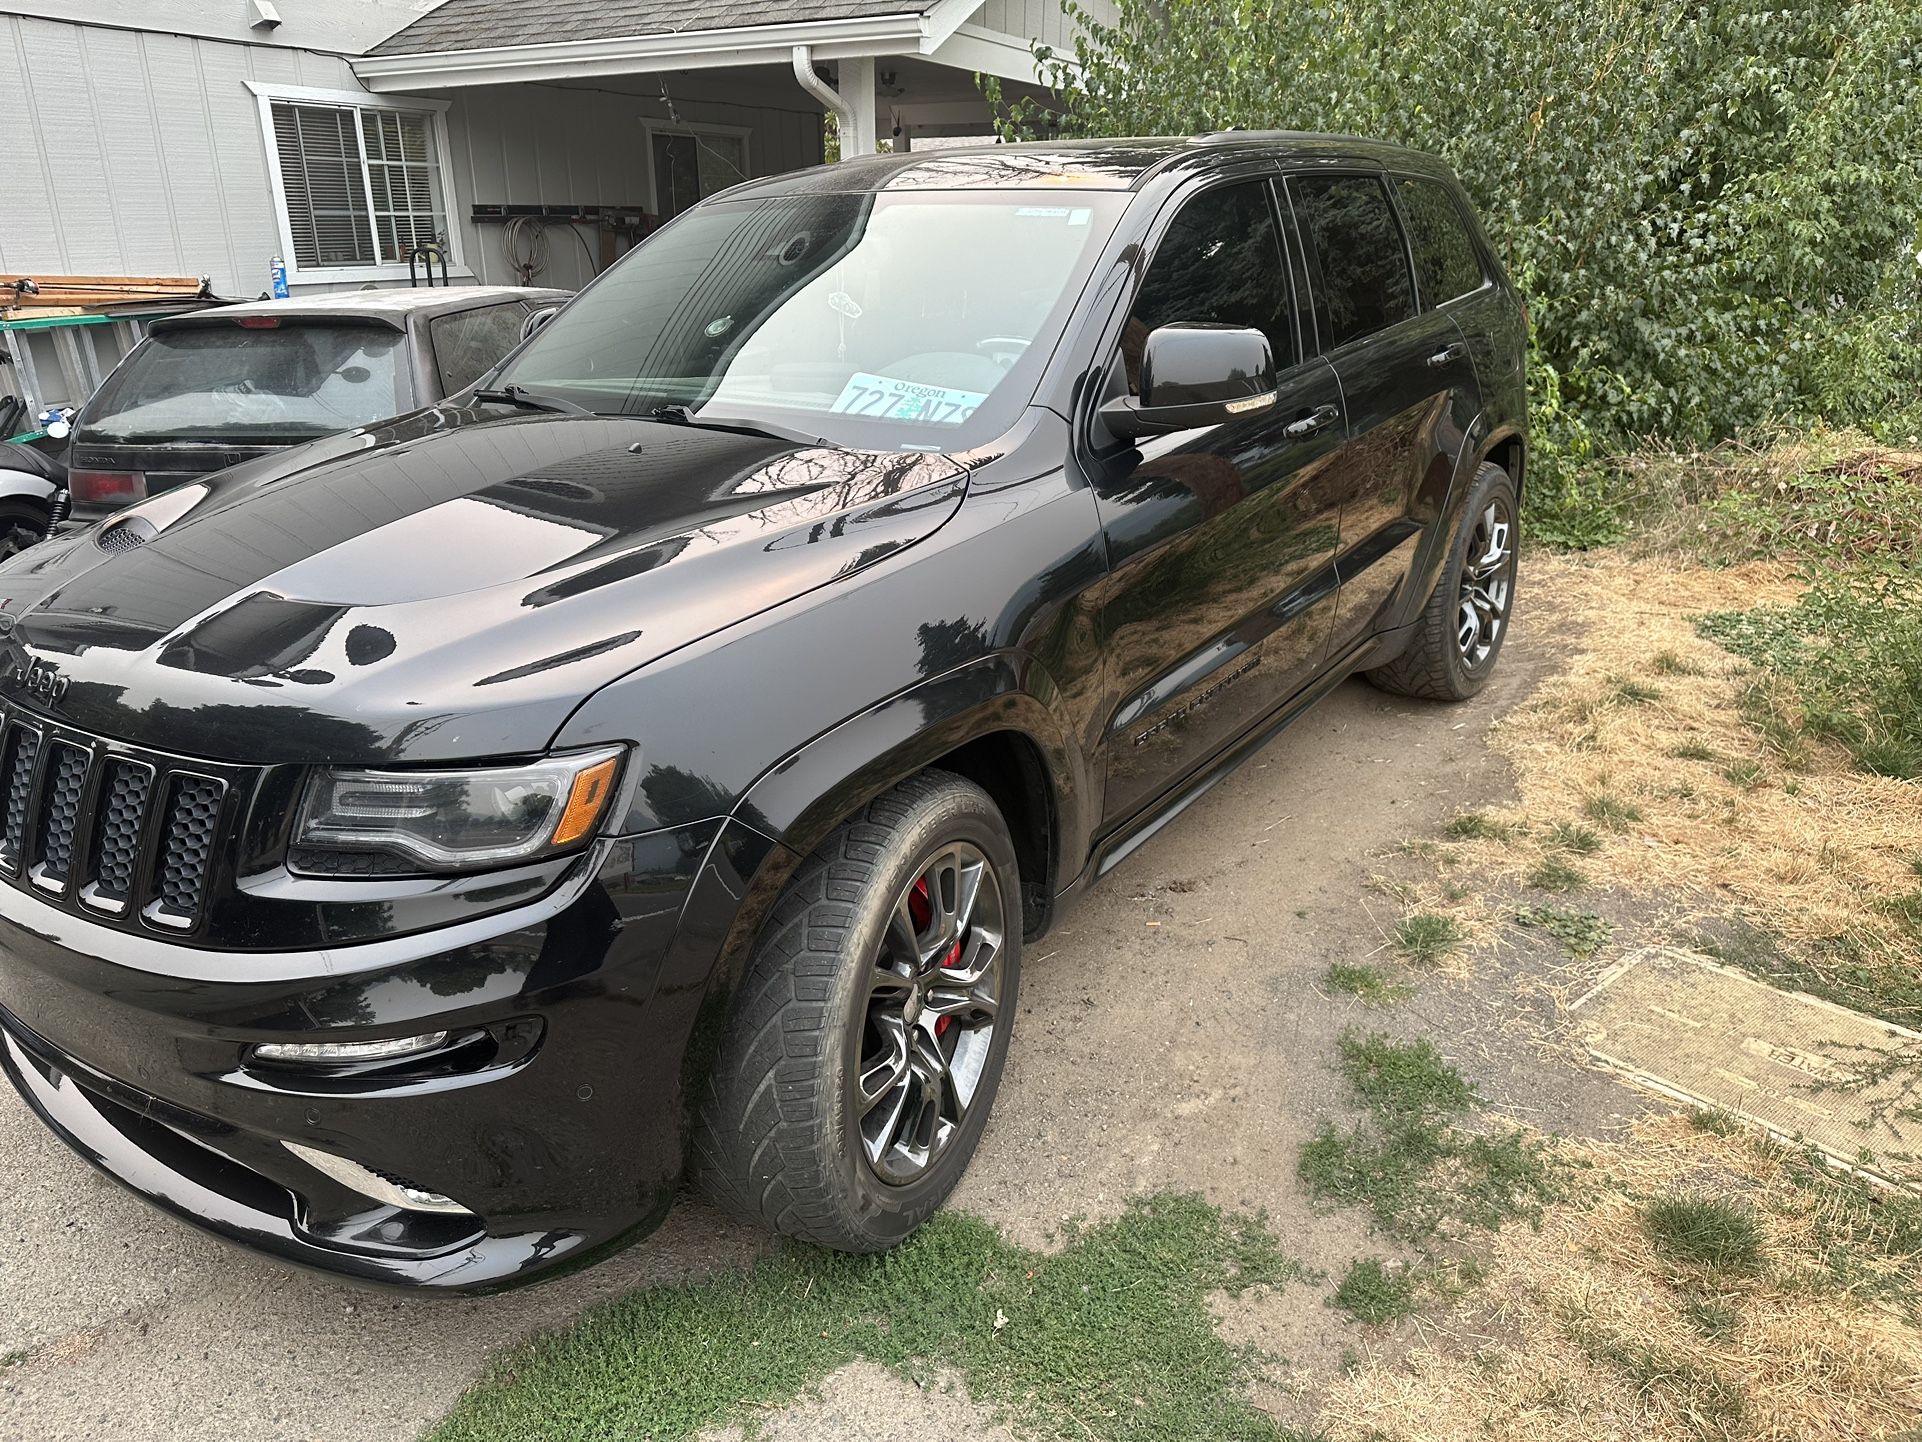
33 488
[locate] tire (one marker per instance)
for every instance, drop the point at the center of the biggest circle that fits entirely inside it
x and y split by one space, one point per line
22 524
1475 594
827 1019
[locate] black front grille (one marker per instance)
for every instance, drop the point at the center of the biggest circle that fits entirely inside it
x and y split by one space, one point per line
107 830
21 751
116 832
60 814
193 807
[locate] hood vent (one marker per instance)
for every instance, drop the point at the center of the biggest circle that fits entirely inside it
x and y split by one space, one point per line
126 535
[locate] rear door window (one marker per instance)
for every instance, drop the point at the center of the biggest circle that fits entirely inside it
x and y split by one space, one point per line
289 382
1446 262
1220 261
1356 245
469 343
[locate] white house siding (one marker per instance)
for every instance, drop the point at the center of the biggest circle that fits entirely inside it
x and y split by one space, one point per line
135 153
138 153
340 27
1043 20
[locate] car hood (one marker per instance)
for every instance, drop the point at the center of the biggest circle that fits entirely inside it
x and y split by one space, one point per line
448 586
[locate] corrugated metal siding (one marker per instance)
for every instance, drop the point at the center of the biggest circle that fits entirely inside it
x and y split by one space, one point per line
553 145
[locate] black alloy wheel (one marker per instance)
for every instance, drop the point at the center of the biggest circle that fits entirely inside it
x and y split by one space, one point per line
869 1030
1488 579
934 1000
22 524
1451 650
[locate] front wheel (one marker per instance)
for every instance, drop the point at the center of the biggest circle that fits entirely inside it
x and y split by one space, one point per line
1461 630
869 1033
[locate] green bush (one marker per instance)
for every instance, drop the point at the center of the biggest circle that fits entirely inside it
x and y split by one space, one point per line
1711 204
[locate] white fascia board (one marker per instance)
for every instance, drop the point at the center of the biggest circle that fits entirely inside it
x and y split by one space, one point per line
942 19
994 52
634 54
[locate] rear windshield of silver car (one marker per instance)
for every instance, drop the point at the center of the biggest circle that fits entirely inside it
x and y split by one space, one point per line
249 380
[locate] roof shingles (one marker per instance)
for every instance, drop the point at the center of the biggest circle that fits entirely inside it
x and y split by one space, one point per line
490 24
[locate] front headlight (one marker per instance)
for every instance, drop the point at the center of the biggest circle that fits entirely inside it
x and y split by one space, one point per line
457 820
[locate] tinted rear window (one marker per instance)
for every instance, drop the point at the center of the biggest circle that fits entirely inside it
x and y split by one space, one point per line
1445 259
1348 224
225 382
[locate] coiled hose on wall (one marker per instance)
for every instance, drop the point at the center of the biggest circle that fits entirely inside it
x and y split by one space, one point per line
524 238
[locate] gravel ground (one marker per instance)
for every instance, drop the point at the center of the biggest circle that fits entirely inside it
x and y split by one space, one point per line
1173 1032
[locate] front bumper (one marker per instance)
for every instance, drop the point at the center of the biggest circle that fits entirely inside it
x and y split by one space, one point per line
558 1126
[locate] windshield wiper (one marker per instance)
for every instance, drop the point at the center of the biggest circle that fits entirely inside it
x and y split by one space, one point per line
524 399
683 416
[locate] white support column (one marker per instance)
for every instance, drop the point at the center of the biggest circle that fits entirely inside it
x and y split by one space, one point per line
856 84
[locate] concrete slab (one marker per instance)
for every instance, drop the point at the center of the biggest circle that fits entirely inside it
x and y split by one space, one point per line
1802 1068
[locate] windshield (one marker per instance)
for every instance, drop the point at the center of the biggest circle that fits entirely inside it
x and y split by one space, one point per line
898 321
223 382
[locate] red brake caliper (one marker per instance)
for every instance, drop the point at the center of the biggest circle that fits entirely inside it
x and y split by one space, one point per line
922 910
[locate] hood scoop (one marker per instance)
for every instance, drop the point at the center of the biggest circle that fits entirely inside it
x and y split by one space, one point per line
126 535
263 635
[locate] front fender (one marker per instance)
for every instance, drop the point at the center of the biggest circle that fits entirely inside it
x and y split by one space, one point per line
794 806
804 797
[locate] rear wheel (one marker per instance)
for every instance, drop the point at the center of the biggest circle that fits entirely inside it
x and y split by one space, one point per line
869 1033
1461 630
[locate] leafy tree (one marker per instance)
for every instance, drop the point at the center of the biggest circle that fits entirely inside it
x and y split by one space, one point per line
1712 205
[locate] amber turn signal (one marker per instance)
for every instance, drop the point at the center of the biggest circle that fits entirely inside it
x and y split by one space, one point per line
585 801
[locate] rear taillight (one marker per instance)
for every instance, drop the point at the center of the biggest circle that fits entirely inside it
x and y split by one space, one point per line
107 488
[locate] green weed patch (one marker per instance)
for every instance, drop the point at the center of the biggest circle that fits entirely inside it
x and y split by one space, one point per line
1111 1336
1408 1162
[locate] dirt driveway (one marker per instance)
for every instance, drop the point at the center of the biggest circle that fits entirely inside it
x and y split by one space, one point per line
1173 1033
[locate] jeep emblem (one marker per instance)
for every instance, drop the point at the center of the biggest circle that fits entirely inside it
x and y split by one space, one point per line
45 684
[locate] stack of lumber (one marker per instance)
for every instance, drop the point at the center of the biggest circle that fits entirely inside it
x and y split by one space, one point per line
23 296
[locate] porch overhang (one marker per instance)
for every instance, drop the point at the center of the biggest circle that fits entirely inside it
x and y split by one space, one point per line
939 33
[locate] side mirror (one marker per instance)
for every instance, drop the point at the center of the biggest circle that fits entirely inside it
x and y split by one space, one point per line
1195 374
538 319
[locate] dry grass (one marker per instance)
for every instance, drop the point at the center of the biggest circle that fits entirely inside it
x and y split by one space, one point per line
1684 791
1586 1330
1658 765
1832 495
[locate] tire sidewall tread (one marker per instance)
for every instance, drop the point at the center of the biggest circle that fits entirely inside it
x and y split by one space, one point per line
773 1136
1432 666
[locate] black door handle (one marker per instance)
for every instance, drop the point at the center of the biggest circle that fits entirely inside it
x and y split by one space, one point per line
1448 354
1309 424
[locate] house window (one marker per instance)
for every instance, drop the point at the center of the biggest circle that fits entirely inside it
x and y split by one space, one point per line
359 181
693 163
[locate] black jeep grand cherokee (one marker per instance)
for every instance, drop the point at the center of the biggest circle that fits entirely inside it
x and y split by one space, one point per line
422 847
